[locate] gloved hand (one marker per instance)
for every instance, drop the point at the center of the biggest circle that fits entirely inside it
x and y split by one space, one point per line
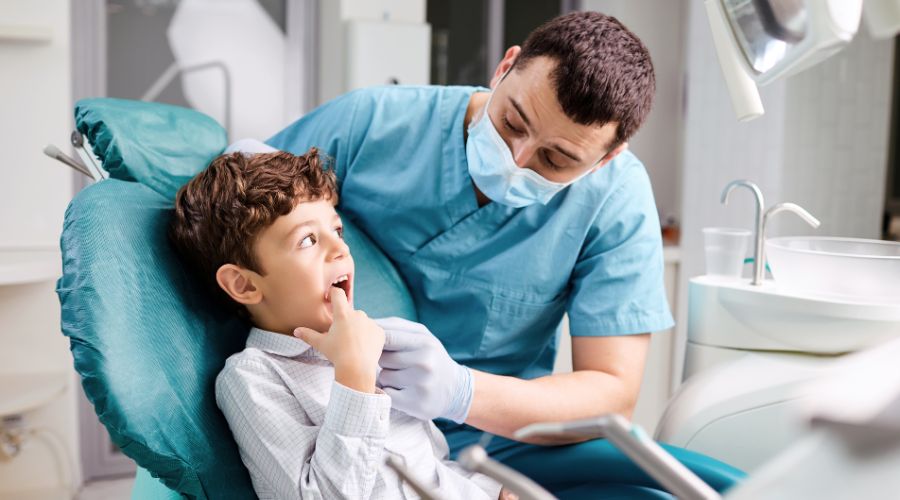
419 376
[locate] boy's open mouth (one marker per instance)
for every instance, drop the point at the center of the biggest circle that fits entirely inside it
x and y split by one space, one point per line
344 282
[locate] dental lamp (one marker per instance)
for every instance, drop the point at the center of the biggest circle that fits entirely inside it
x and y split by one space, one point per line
760 41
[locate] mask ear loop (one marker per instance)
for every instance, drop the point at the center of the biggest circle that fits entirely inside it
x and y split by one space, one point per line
484 110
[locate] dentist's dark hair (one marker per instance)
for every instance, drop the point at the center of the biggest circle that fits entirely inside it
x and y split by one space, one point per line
603 73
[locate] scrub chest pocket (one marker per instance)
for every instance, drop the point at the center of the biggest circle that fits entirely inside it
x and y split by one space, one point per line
483 324
518 331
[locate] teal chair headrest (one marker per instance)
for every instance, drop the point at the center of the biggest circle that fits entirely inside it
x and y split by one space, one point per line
157 145
146 339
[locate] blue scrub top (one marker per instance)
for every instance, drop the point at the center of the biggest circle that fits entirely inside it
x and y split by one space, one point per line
492 283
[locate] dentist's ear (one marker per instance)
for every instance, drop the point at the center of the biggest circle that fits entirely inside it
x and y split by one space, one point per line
239 284
612 154
505 65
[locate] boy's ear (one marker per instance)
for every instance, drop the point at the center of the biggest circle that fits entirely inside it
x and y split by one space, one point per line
239 284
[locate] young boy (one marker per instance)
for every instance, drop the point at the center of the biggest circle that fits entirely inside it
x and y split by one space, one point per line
306 414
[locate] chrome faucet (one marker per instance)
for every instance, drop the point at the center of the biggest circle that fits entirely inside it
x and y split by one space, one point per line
762 220
758 266
789 207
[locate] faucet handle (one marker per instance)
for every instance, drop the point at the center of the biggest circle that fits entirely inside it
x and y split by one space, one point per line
791 207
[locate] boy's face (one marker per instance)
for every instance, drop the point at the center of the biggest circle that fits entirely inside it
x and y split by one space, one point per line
302 255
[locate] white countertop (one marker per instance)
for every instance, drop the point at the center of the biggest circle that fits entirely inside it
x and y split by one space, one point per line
20 266
23 392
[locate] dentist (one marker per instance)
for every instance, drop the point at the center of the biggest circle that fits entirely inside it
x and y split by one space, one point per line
503 209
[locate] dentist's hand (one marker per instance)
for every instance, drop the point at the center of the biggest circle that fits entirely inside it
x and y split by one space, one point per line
419 376
352 344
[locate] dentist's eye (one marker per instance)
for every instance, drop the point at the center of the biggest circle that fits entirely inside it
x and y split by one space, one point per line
550 164
510 127
308 241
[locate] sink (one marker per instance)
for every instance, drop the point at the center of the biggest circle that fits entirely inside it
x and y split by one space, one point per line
738 315
842 268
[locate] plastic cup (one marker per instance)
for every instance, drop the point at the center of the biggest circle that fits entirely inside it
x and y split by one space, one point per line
725 250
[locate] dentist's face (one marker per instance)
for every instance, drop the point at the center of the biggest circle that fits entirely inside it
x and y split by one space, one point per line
528 116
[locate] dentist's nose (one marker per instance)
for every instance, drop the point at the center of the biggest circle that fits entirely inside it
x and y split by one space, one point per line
523 151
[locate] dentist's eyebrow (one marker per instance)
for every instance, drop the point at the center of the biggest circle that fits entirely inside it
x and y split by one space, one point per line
519 109
528 123
570 155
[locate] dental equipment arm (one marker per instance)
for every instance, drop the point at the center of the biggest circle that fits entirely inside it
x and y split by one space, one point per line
86 152
54 152
413 483
633 442
475 459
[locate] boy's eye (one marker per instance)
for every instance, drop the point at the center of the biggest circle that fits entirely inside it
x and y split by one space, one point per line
340 231
307 242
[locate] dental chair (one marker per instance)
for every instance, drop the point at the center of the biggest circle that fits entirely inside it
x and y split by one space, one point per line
145 338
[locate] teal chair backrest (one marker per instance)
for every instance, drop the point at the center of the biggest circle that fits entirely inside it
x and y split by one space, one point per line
145 338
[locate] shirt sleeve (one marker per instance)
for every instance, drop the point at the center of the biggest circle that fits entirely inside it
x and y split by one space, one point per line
295 458
617 283
328 128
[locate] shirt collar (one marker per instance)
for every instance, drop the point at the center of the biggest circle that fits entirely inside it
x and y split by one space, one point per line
276 343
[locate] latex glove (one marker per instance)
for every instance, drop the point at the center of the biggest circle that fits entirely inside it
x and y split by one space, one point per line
419 375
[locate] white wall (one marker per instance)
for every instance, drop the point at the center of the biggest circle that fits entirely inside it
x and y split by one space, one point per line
396 20
35 109
660 25
837 132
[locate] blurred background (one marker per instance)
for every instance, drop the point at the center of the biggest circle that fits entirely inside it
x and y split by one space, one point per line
827 142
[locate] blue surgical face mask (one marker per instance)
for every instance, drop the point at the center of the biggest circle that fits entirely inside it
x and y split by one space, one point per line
495 173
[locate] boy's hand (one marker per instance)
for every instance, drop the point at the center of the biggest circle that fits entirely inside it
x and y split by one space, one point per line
353 344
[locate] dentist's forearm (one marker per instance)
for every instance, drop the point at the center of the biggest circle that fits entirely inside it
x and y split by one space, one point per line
501 405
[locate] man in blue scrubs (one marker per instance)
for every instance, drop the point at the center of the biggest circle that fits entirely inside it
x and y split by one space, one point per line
503 209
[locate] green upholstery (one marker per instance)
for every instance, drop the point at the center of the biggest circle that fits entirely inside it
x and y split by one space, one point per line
158 145
147 487
146 339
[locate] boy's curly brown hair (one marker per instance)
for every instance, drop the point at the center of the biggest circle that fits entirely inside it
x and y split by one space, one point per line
220 212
